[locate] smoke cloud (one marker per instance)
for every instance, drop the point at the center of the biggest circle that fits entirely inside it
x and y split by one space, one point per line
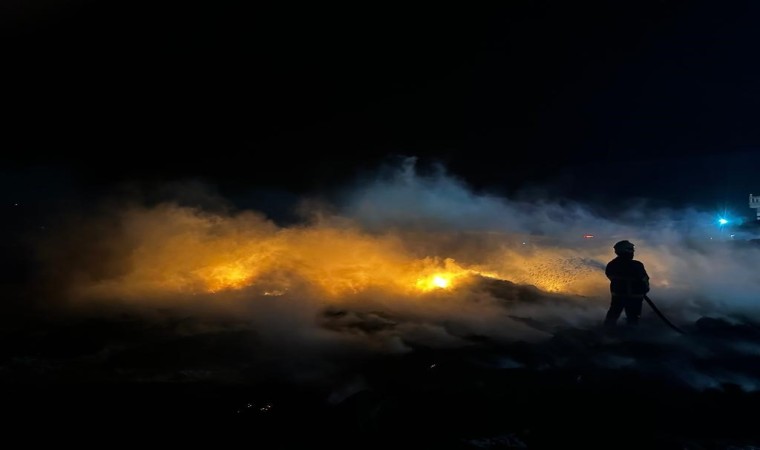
396 261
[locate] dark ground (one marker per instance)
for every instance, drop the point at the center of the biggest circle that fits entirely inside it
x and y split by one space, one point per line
106 381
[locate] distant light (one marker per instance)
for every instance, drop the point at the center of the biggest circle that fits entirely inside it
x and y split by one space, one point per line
722 221
588 236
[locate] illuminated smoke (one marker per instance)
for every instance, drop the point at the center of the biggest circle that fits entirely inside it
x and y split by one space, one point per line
400 235
396 259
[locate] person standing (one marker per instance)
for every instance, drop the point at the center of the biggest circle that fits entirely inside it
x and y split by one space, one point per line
629 283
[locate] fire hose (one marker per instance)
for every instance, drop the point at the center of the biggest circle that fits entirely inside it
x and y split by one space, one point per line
662 316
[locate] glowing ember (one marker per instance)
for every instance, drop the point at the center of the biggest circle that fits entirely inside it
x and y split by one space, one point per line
434 282
440 281
274 293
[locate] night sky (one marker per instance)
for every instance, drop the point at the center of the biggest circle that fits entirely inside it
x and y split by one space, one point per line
595 101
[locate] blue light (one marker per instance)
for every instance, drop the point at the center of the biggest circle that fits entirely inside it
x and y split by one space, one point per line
722 221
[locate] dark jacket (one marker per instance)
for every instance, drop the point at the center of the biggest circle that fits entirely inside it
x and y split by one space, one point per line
627 277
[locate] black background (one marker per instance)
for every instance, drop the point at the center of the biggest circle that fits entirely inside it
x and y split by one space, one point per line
304 95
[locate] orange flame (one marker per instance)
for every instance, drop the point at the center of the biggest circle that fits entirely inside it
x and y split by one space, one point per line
175 249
